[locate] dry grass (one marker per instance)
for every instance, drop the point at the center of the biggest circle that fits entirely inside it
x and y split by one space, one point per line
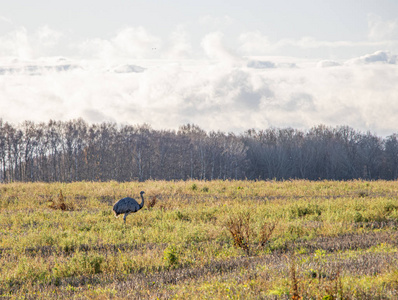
214 240
152 202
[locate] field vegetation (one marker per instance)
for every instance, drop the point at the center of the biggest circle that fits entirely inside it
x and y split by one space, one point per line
200 240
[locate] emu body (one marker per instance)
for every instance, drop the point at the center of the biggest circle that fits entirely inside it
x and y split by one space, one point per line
127 206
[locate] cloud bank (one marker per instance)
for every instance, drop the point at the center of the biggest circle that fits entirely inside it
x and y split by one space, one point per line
136 77
235 97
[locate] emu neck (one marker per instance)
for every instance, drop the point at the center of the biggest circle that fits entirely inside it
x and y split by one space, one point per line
142 203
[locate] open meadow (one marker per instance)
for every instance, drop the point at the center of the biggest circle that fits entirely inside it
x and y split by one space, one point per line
200 240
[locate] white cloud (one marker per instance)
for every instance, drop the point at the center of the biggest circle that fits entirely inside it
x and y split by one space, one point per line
380 29
214 48
128 43
328 64
310 42
127 68
47 37
180 47
257 43
16 44
383 57
5 20
254 43
21 44
260 64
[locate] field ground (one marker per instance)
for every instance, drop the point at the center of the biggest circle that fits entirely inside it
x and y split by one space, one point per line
292 240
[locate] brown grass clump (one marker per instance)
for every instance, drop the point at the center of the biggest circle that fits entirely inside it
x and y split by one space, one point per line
152 202
60 203
243 234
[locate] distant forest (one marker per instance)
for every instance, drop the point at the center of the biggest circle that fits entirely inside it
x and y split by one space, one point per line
75 151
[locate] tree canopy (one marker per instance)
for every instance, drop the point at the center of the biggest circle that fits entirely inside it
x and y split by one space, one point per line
75 150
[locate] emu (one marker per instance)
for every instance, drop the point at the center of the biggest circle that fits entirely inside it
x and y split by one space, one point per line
127 206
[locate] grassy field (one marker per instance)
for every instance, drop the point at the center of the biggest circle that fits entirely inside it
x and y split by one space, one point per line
200 240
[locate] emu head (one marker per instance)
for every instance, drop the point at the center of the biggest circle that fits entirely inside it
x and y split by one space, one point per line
142 192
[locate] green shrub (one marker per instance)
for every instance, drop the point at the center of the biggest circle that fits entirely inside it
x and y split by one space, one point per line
170 256
85 263
302 210
358 217
390 207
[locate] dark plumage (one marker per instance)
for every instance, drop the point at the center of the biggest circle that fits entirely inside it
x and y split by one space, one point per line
127 206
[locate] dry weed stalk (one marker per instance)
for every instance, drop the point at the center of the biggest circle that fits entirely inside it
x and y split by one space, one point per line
242 232
265 233
334 290
239 227
294 283
60 204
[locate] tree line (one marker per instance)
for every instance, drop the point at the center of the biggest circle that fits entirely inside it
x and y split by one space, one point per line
75 151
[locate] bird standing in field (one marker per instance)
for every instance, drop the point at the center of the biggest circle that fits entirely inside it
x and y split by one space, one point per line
127 206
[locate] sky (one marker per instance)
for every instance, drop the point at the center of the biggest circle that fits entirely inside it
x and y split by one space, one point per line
222 65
